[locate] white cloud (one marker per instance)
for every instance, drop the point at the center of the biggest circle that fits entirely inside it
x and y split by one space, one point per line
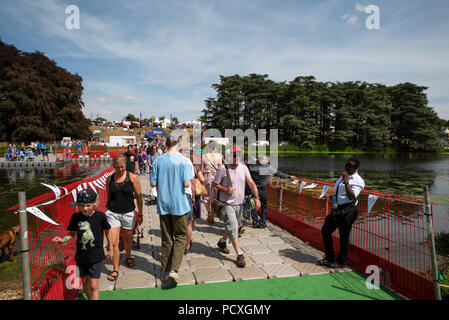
350 18
360 7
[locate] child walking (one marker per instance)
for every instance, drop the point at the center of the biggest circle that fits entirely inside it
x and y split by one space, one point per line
88 225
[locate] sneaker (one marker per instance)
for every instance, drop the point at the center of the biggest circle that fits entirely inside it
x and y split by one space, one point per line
241 231
326 263
173 277
262 225
241 261
222 246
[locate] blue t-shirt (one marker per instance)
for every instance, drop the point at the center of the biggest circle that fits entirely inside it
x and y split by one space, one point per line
170 171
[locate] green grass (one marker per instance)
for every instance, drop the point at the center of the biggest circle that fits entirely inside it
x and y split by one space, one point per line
10 272
333 286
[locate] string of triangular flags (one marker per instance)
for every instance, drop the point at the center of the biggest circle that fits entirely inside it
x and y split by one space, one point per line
99 183
371 198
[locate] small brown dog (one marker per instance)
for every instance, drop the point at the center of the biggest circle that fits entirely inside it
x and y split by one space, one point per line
7 239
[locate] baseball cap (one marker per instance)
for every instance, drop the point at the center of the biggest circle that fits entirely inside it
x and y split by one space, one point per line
236 148
83 197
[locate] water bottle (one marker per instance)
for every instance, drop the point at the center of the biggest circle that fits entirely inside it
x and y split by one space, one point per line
334 202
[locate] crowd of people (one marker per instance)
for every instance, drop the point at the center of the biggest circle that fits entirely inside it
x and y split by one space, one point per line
239 187
28 153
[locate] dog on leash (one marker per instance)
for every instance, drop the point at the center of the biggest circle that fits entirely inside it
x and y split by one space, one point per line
7 239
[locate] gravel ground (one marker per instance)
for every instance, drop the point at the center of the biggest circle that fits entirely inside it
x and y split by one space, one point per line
11 294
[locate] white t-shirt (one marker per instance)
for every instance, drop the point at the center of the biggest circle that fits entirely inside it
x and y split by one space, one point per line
356 183
189 189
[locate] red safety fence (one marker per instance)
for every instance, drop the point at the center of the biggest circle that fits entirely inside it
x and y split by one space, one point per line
393 236
63 154
51 279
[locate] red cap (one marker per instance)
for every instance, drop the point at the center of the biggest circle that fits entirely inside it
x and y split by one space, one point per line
236 148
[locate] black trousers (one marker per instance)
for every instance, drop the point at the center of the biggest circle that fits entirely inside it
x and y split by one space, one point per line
343 219
264 208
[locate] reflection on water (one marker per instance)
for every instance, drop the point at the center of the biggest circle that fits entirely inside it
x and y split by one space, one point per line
399 174
13 180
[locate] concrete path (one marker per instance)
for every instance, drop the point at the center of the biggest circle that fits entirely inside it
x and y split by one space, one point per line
270 253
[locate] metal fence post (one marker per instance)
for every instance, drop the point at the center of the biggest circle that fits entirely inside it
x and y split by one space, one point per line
24 246
433 254
280 199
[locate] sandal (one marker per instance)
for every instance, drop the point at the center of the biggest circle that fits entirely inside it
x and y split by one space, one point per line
130 262
111 276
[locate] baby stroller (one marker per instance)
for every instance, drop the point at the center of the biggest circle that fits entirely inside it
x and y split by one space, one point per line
136 232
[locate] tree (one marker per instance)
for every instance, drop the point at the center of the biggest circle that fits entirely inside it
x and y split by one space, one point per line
38 99
415 125
100 119
131 117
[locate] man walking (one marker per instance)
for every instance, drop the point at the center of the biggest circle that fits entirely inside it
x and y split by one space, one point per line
343 214
171 175
232 194
259 173
132 163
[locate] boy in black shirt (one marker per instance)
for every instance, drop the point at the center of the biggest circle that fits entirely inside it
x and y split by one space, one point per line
88 225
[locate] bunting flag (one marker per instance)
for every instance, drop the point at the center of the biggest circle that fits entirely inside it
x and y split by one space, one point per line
371 201
277 183
54 188
302 186
38 213
98 185
92 187
74 194
295 181
311 186
325 190
286 183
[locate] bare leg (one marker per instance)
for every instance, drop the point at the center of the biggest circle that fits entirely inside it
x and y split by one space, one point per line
127 241
189 235
113 240
94 289
86 286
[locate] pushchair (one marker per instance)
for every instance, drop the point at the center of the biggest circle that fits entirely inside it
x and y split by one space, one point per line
137 235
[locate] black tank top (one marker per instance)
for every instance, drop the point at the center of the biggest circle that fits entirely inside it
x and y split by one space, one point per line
122 196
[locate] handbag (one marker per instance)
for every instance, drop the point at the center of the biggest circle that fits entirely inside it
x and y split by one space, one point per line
219 207
200 190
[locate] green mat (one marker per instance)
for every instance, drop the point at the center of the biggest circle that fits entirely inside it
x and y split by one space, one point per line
332 286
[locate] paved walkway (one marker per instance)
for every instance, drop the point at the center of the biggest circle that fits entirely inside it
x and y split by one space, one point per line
269 253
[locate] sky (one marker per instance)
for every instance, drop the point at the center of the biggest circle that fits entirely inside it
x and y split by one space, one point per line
161 57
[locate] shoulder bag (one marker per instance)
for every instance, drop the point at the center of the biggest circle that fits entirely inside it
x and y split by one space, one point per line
219 207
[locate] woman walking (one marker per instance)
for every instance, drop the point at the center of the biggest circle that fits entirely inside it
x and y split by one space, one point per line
122 188
211 162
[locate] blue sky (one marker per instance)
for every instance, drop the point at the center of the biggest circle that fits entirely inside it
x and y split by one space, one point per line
161 57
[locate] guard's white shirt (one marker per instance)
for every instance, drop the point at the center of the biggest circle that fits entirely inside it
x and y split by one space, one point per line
356 183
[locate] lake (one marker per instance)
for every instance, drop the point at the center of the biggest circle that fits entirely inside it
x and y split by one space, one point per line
13 180
400 174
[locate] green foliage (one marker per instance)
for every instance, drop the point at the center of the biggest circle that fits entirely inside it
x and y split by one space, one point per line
131 117
100 119
38 99
442 243
354 115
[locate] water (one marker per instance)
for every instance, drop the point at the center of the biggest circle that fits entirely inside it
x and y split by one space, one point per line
13 180
400 174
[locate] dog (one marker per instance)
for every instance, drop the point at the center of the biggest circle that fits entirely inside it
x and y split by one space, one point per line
7 239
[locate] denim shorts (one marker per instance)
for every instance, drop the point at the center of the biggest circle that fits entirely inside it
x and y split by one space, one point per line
91 270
